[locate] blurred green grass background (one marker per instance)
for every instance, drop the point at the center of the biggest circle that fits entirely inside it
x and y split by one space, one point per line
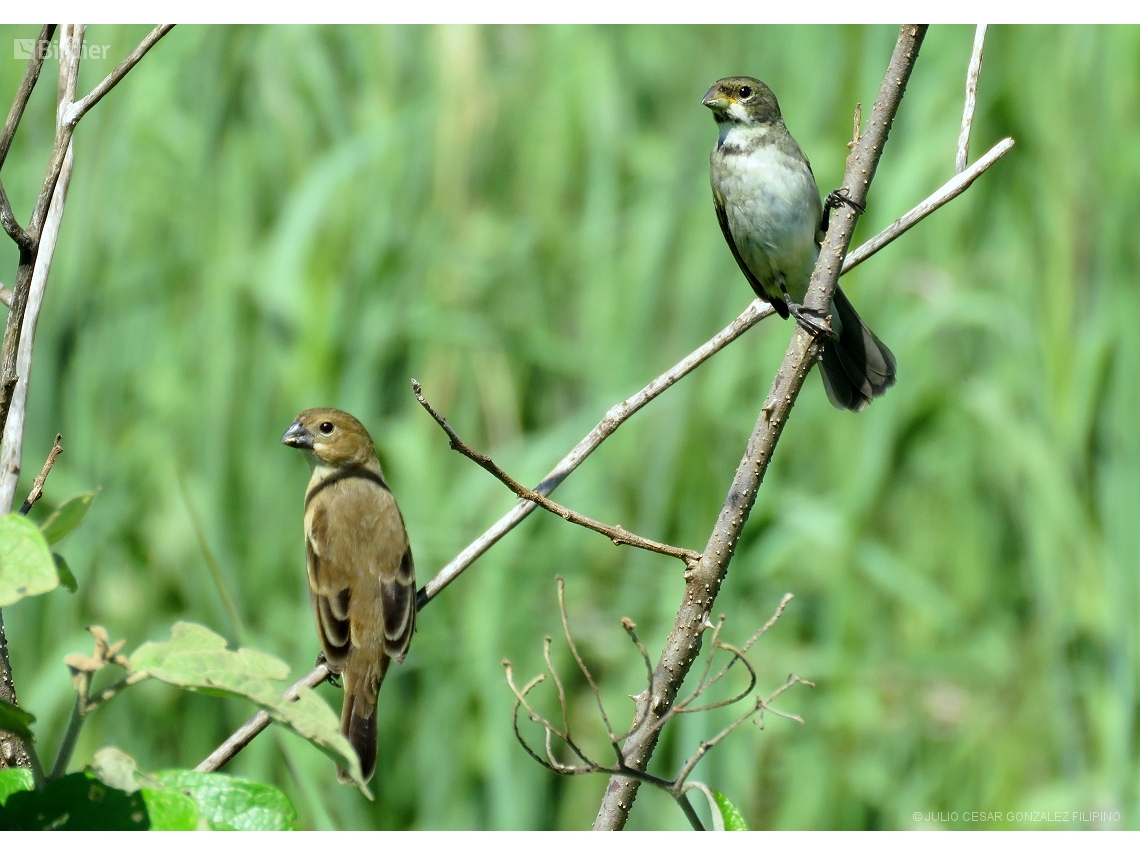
267 219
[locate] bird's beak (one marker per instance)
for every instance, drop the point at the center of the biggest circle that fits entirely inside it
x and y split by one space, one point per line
715 99
297 436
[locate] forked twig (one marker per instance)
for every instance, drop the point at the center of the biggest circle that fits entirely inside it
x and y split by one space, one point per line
676 787
615 533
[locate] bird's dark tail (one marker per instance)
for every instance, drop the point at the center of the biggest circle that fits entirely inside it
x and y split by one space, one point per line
856 367
359 712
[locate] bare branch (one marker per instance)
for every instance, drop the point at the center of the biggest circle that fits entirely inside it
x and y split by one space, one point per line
757 310
20 102
257 723
77 110
615 533
11 446
972 73
8 220
950 190
38 484
703 583
5 295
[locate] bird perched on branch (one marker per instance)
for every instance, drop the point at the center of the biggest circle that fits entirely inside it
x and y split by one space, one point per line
769 210
362 583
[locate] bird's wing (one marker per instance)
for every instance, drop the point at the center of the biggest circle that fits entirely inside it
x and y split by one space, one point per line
361 576
722 217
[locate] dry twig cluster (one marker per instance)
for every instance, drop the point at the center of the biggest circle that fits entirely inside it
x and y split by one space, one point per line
679 785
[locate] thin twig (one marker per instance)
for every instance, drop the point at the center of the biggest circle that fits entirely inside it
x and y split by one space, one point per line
245 734
20 102
582 666
38 484
972 73
950 190
5 295
617 534
80 107
557 684
703 583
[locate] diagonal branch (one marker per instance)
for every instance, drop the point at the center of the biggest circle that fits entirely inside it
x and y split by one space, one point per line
615 533
703 584
20 102
77 110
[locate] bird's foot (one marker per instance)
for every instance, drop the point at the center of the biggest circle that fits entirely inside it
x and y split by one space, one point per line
836 199
813 322
332 679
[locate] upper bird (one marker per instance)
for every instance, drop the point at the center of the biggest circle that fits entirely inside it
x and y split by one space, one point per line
768 206
362 582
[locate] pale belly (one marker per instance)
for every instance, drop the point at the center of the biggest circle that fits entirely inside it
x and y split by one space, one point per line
773 211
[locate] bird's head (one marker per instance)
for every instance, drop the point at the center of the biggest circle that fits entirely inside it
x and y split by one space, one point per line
332 437
742 101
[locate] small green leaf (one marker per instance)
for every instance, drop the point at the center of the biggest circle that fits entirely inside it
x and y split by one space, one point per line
14 781
229 803
77 802
67 515
733 818
15 720
171 810
64 572
196 658
26 568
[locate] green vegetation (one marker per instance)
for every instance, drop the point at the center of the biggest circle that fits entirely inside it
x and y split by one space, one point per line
267 219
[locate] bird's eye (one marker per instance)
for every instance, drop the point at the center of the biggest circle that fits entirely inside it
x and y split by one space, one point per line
326 428
745 91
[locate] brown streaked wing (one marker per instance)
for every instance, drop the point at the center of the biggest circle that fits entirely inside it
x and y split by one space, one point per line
399 598
330 608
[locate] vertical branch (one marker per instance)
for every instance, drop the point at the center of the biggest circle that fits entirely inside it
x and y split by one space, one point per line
12 444
703 583
972 73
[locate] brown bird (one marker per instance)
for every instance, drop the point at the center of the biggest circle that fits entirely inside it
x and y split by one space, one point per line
362 582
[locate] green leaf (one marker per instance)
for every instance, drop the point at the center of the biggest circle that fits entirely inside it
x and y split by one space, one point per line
14 781
67 515
196 658
64 572
76 802
15 720
236 804
26 567
171 810
733 818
